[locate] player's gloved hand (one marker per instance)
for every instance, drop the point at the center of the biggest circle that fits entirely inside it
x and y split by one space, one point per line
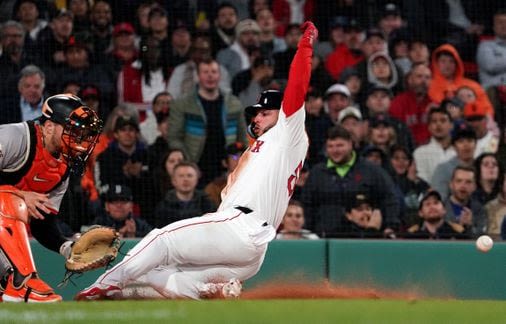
309 31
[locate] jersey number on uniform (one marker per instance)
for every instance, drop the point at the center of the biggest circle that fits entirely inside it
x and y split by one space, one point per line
292 180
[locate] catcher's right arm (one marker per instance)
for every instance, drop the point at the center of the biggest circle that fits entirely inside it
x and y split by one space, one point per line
96 248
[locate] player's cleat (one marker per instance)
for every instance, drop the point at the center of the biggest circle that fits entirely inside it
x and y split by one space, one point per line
232 289
99 292
30 294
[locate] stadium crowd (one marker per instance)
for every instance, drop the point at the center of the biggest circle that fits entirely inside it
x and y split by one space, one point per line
406 112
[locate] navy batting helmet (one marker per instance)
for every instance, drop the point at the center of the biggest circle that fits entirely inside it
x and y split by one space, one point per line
270 100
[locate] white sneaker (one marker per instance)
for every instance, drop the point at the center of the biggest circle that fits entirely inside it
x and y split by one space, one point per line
232 289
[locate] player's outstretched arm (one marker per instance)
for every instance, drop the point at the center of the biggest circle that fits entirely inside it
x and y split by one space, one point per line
300 70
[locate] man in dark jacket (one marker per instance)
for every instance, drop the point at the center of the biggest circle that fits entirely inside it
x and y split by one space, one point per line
331 184
118 213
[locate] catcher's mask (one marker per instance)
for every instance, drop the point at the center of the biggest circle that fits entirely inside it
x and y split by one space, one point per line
81 128
270 100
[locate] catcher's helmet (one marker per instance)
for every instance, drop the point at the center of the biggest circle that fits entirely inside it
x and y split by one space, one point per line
81 128
270 100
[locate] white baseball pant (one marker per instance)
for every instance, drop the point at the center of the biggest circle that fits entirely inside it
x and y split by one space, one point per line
181 259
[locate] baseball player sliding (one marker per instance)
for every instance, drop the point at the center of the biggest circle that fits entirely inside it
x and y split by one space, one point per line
210 255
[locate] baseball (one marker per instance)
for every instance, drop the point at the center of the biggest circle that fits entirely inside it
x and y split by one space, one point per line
484 243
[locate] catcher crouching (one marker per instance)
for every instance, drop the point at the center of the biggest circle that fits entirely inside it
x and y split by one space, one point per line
36 158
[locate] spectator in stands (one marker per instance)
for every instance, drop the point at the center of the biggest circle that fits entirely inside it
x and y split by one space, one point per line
496 211
139 82
461 206
381 70
80 10
439 149
223 30
491 55
125 162
288 12
238 56
351 120
335 39
28 14
391 19
230 162
159 29
455 107
419 52
337 97
378 102
292 226
269 42
351 79
155 125
249 83
475 116
362 220
448 75
283 59
412 106
184 201
203 123
434 224
13 57
331 184
411 186
184 79
317 124
142 18
181 42
79 68
118 213
123 50
348 53
382 133
374 42
88 184
464 142
164 171
101 28
489 177
54 39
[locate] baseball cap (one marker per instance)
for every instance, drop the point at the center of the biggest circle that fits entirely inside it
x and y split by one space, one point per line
80 40
269 99
89 91
455 101
474 111
390 9
353 24
63 13
348 73
339 21
464 132
371 32
380 119
247 25
349 111
123 121
124 27
118 193
357 200
157 10
263 60
428 194
338 88
379 87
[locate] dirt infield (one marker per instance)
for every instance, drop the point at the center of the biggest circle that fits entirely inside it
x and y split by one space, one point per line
322 291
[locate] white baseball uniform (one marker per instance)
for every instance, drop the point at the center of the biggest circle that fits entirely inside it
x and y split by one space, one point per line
186 258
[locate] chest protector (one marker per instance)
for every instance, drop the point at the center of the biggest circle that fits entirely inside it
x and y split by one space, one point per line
42 172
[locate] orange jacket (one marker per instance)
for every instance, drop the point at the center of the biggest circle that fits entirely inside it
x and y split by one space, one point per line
88 179
442 88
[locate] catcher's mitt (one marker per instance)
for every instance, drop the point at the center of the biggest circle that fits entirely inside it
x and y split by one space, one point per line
96 248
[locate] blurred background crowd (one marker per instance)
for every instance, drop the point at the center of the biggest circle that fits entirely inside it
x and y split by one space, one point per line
405 113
